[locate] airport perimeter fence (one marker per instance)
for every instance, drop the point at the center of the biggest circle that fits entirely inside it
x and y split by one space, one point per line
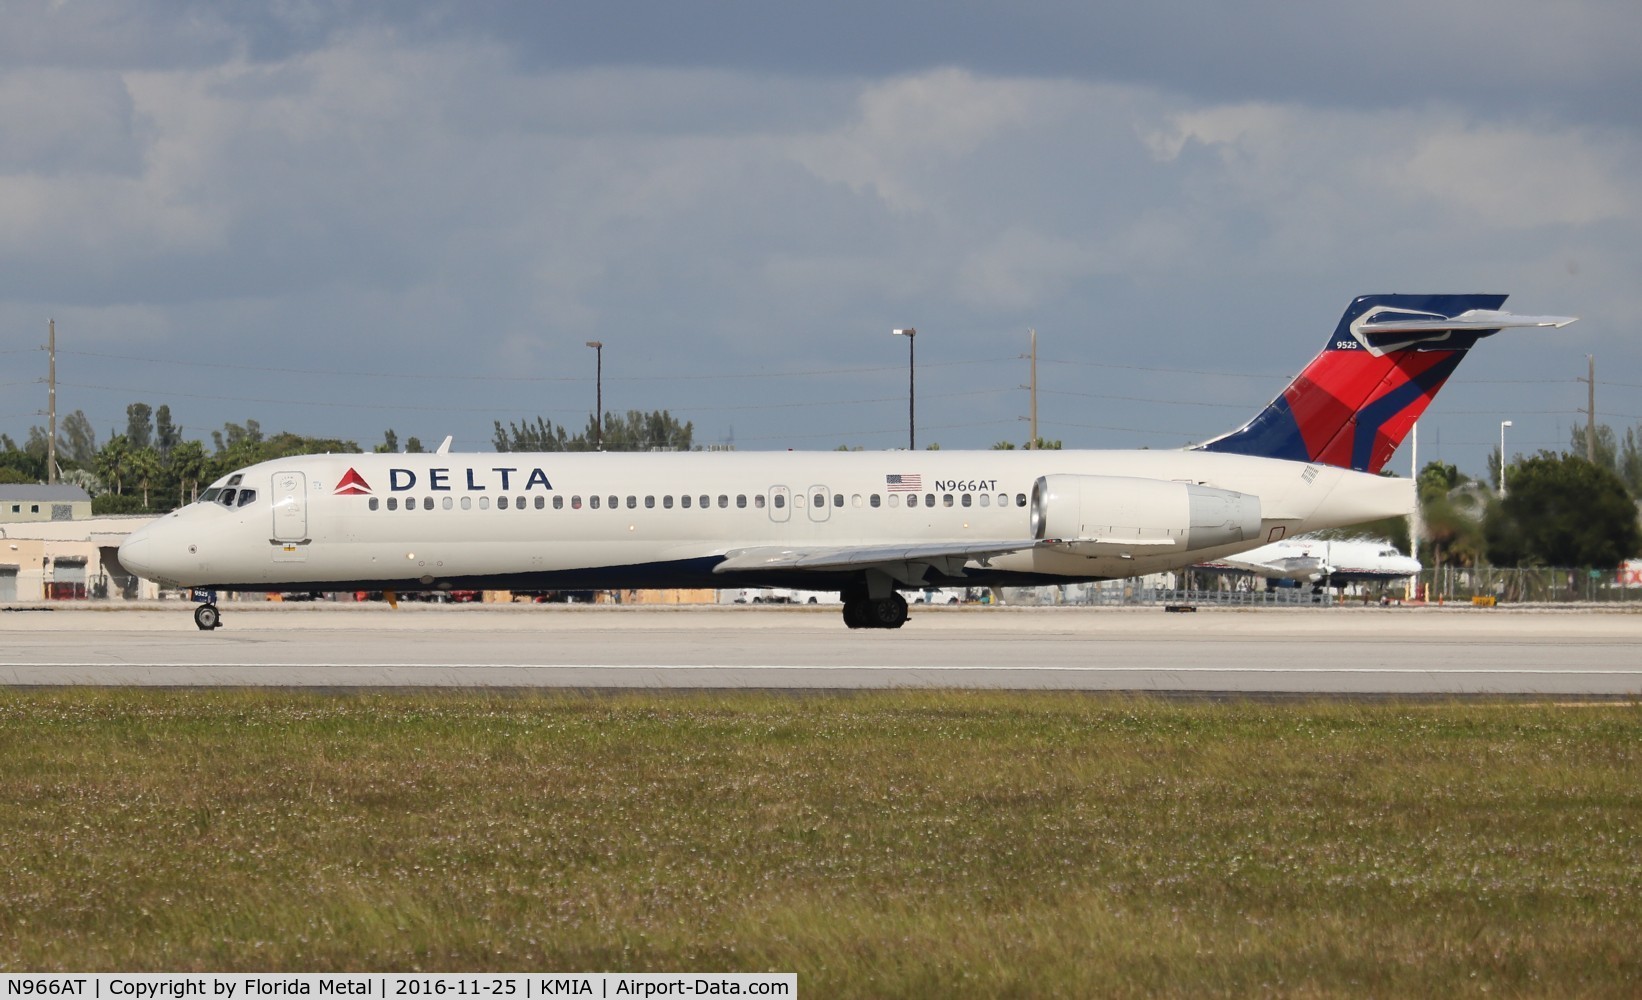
1446 584
1541 585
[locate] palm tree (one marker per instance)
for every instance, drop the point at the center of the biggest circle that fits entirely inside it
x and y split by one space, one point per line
111 461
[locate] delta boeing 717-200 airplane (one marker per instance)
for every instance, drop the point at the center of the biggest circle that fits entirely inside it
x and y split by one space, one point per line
866 525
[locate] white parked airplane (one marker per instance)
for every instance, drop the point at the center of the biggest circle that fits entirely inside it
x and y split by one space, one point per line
1321 562
865 525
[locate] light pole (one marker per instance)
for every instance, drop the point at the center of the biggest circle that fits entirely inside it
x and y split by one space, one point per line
1502 425
912 385
598 394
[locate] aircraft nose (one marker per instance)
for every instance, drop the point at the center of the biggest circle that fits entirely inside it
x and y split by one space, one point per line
136 553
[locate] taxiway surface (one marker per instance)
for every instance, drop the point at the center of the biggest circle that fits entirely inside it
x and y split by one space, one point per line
1348 651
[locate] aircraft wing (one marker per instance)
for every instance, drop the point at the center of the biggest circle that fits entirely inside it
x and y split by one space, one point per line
907 564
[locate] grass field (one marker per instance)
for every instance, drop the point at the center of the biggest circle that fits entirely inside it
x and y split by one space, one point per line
896 844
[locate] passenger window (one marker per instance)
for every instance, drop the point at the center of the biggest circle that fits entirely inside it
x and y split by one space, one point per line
593 502
501 503
684 501
446 503
855 500
986 499
375 503
575 503
895 499
632 502
247 497
467 503
780 501
838 499
427 503
929 499
614 502
558 503
912 499
518 503
541 503
819 500
393 503
706 501
723 500
968 499
741 500
649 503
875 500
410 504
758 500
484 503
1020 499
946 499
667 502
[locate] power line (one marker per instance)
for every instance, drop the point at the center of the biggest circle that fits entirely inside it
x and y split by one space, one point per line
1144 399
446 377
1167 371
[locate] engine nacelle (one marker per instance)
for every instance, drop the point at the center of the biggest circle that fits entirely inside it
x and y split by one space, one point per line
1156 513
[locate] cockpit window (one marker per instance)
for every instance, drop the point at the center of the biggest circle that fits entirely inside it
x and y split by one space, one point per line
234 479
247 496
209 495
226 497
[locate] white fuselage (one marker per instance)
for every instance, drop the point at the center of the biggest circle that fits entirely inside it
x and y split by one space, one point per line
1317 560
573 520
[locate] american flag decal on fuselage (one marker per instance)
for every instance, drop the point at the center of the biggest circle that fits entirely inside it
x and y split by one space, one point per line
903 483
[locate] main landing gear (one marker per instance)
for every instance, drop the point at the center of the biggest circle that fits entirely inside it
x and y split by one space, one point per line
861 611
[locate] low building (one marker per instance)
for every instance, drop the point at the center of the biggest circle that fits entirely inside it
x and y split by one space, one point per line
28 502
68 559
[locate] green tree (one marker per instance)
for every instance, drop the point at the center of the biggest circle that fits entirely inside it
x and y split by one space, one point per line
187 464
1561 510
77 440
110 462
541 436
1607 448
1451 518
139 426
21 463
390 443
1630 460
167 435
143 466
636 430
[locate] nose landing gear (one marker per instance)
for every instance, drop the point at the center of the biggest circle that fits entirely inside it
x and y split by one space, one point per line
206 616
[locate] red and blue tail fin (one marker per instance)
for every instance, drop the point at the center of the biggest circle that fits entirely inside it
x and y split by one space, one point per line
1354 404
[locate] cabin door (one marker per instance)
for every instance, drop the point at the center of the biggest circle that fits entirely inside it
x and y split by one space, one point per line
290 496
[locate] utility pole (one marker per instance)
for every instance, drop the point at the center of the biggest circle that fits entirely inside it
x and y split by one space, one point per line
51 402
1033 443
1590 411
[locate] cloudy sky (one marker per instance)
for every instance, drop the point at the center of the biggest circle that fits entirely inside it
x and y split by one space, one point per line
336 218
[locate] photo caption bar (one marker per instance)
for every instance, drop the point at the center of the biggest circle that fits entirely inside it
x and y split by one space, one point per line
395 986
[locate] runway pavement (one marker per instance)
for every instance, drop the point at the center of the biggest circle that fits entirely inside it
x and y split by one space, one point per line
1345 651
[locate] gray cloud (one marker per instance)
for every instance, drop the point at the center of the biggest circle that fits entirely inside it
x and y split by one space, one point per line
475 190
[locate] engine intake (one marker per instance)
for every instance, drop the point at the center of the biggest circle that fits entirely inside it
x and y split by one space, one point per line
1151 512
